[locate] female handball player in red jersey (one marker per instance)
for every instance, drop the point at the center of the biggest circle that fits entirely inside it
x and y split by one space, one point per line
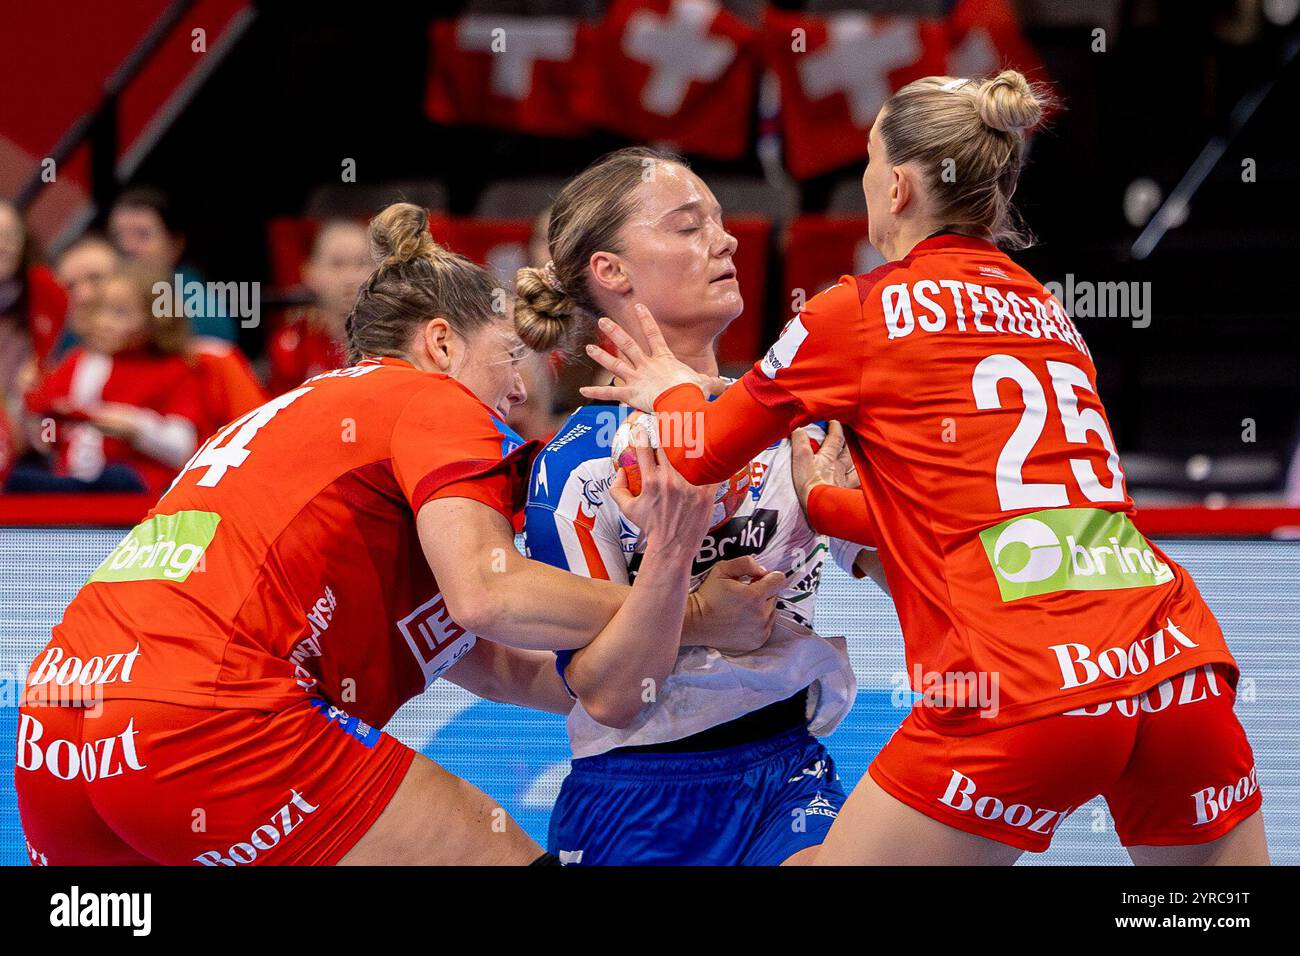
723 766
990 480
213 694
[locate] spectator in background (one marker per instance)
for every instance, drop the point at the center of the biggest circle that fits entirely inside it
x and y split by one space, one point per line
314 339
123 410
30 296
32 312
82 269
144 228
230 387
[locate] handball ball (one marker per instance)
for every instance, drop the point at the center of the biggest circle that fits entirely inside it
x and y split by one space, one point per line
726 500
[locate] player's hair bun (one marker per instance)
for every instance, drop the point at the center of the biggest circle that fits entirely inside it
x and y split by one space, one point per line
400 234
1008 103
544 313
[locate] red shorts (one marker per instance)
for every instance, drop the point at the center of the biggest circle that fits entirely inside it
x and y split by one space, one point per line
138 782
1173 764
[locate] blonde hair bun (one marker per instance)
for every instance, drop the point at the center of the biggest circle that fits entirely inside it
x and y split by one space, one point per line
400 234
543 313
1008 103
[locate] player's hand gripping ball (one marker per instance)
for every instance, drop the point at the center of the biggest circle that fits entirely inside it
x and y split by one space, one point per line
730 493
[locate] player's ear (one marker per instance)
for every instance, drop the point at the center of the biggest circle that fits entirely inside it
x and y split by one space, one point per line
900 190
607 271
439 341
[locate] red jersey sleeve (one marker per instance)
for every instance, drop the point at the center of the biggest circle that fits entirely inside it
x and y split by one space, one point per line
46 312
447 444
841 513
814 371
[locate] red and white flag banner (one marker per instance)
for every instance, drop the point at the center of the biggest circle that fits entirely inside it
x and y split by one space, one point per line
516 73
836 72
686 72
681 72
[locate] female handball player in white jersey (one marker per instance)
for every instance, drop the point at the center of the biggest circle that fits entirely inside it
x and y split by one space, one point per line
990 479
682 753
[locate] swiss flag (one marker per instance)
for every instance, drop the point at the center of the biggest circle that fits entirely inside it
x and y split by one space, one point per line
984 37
513 73
835 72
677 71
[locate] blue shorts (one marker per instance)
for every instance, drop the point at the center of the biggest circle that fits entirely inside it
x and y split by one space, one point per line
755 804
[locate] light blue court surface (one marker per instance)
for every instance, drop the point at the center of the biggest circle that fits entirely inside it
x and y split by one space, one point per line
520 756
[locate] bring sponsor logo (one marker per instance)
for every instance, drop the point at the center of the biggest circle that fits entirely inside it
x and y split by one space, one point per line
163 548
1070 549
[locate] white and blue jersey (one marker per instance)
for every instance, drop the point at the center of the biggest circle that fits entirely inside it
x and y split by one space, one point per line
572 523
722 768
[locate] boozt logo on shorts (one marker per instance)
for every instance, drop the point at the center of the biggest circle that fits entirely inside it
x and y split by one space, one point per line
961 796
164 548
1213 801
1070 549
266 837
1161 696
94 760
1078 669
435 639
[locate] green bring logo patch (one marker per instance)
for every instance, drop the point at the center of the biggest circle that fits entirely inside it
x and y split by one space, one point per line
1070 549
163 548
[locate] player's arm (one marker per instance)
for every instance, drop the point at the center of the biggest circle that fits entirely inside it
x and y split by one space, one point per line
494 591
733 610
618 673
499 594
512 675
828 489
813 371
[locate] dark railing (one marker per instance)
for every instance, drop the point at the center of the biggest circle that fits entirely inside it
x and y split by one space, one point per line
99 124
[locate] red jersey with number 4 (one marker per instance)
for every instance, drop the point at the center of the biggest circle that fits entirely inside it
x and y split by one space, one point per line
284 560
986 461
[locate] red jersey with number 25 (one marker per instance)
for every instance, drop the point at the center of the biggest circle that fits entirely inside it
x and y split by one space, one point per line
988 466
284 560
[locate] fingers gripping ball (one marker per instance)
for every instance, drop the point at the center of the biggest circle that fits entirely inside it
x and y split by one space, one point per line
730 493
623 454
